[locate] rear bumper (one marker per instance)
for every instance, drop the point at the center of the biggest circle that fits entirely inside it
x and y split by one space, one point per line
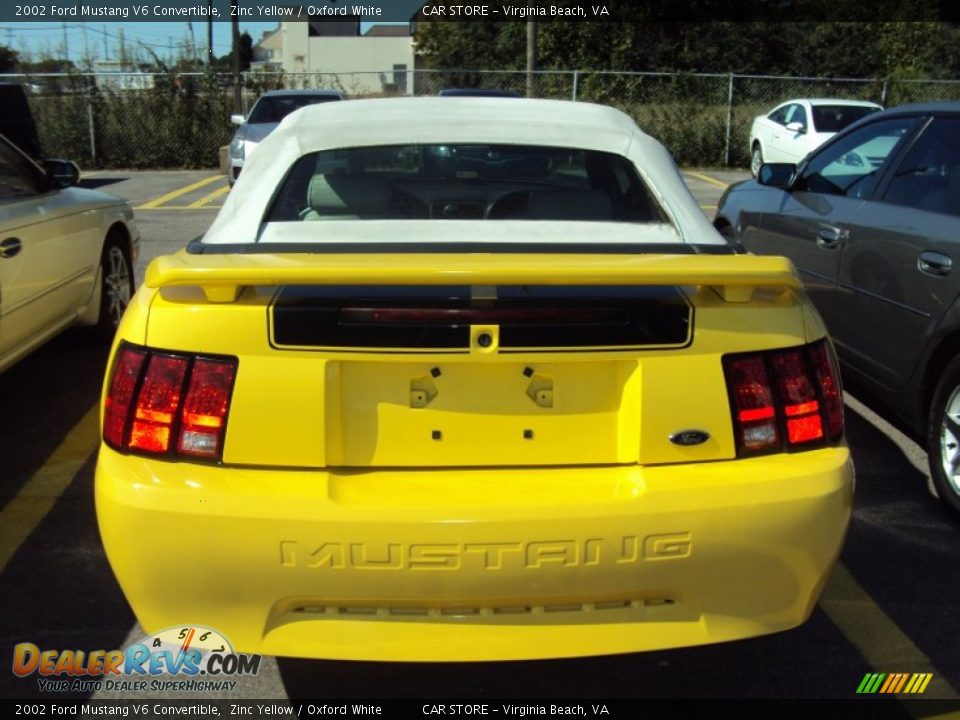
475 564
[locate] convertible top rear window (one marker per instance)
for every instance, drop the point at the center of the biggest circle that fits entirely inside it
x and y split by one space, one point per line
464 182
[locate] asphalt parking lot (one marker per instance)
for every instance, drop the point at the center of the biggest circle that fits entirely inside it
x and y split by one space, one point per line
889 607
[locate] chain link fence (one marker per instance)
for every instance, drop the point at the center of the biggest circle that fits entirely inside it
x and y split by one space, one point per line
138 120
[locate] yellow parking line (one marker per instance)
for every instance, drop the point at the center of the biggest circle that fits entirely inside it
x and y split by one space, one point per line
707 179
878 638
181 207
158 201
31 504
212 196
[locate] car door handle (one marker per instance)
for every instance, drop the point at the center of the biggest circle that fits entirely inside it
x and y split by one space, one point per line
934 263
830 237
10 247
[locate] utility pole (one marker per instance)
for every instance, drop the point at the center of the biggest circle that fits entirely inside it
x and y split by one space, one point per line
531 57
66 48
210 34
106 43
193 44
235 25
86 48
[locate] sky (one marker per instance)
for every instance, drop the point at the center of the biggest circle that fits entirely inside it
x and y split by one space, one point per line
32 40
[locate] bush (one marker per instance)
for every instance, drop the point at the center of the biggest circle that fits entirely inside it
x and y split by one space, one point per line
177 123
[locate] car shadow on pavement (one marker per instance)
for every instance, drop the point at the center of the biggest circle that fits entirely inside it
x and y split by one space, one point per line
904 547
43 397
94 183
57 590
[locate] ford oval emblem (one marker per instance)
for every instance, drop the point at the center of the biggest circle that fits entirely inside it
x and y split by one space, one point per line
687 438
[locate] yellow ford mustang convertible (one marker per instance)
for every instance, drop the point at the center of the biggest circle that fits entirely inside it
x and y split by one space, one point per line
470 379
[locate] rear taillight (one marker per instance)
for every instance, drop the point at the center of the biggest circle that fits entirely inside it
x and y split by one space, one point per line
168 404
785 399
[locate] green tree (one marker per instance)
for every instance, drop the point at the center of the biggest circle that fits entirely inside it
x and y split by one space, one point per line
822 49
9 59
246 51
471 45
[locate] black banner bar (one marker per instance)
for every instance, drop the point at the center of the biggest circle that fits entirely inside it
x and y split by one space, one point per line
618 11
873 708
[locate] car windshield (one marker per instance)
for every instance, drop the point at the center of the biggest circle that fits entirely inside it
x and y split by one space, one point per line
834 118
464 182
274 108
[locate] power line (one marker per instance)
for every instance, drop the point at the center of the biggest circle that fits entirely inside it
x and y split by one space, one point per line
10 29
219 46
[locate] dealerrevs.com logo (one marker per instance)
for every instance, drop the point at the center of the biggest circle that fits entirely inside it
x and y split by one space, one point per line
186 658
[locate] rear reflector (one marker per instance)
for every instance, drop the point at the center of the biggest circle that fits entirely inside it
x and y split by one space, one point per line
785 399
168 404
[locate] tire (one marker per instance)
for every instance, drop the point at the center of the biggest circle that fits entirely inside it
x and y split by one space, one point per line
756 159
943 436
116 284
727 231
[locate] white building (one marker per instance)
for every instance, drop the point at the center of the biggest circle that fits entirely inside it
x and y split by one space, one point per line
268 51
117 75
378 62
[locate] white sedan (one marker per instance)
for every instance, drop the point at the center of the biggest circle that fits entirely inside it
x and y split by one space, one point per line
272 107
797 127
66 254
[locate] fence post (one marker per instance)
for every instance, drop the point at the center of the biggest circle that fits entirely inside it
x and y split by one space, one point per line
726 149
93 141
883 93
576 77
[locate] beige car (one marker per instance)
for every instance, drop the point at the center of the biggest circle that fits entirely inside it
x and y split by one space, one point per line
66 254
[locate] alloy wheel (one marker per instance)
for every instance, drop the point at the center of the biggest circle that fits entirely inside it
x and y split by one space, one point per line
950 440
116 284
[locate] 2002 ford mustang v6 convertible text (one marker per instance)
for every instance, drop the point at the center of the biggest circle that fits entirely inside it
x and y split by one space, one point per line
467 389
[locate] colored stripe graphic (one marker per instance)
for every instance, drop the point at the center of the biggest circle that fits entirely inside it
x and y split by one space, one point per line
920 682
870 683
894 683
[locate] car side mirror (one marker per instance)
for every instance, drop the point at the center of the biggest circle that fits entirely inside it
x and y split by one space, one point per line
237 119
797 127
778 175
61 173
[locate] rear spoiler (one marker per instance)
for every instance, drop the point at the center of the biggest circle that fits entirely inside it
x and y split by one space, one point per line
221 277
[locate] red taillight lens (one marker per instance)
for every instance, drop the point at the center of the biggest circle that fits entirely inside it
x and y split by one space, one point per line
205 408
157 404
754 413
126 373
798 397
786 399
828 378
168 403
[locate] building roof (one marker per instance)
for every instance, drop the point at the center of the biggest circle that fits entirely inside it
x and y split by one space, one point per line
388 31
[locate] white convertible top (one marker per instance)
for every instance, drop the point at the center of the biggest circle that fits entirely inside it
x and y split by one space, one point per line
393 121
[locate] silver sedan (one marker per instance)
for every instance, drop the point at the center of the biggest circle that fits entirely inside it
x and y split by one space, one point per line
66 254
